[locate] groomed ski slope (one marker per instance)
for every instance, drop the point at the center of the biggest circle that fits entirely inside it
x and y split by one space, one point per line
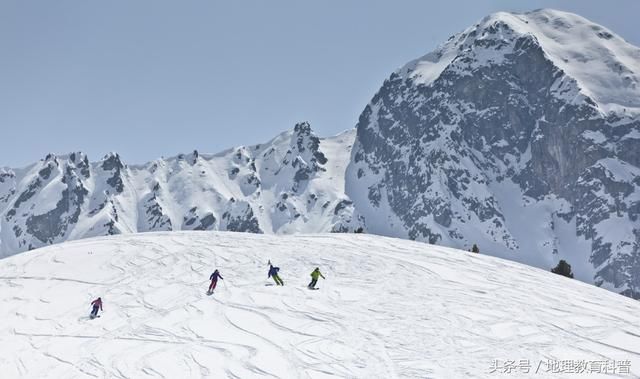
388 308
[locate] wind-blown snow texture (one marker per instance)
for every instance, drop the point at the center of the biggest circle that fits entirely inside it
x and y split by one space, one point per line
520 134
388 308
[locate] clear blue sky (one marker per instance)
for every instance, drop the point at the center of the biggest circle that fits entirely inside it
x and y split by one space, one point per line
151 78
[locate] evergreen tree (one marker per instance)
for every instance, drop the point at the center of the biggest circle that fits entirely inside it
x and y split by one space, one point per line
475 249
563 268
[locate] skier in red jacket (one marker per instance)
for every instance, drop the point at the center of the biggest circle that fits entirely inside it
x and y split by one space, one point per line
97 304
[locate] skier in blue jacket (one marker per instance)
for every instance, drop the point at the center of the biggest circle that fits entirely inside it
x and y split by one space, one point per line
214 280
273 273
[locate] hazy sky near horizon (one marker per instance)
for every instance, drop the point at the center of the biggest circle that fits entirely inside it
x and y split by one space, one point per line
151 78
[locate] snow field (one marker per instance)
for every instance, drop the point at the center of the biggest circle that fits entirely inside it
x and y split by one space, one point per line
388 308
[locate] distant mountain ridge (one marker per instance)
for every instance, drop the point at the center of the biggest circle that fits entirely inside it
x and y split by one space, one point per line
286 185
520 134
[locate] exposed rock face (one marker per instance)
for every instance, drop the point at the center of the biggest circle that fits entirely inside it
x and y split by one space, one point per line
111 164
34 222
495 119
239 217
156 219
193 221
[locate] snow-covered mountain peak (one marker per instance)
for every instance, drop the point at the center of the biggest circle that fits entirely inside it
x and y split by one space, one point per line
112 160
6 174
530 114
604 66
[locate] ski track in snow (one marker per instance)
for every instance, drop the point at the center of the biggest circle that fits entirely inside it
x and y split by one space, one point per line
388 308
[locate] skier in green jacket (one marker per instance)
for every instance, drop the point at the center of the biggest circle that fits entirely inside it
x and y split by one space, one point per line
314 278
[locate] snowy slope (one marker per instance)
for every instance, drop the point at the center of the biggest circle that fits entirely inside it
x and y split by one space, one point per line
388 308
